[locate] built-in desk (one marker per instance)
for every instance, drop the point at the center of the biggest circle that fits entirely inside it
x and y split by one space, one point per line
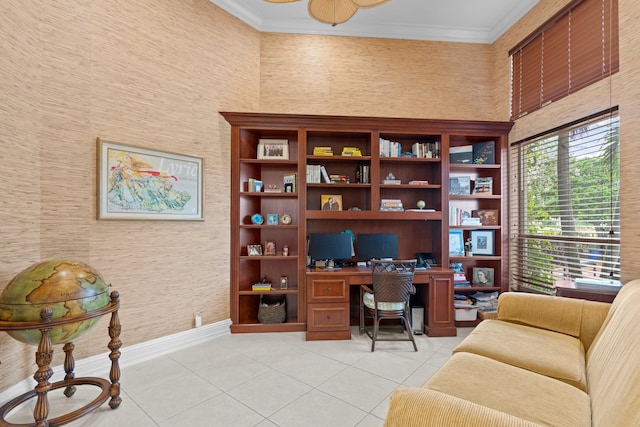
331 305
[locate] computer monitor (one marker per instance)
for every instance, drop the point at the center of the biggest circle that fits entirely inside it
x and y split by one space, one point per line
377 246
330 247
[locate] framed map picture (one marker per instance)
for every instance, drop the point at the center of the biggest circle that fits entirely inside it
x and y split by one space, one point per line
138 183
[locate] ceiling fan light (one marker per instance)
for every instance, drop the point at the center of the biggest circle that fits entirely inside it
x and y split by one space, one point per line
368 3
332 11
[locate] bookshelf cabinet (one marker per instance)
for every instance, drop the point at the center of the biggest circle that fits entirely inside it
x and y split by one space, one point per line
364 184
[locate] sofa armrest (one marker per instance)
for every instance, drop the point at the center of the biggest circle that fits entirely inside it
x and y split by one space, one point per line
419 407
576 317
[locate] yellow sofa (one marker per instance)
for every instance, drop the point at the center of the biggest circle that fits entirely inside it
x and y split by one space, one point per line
545 361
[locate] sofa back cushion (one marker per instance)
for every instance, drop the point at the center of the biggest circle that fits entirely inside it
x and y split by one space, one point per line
613 363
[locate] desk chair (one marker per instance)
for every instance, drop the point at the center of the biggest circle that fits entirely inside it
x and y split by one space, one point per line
392 283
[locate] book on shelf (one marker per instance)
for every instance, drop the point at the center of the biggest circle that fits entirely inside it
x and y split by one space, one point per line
290 181
470 221
462 154
325 175
426 150
313 174
483 185
392 181
458 215
484 153
390 148
322 151
393 205
338 178
418 182
261 287
362 174
420 210
254 185
461 284
351 151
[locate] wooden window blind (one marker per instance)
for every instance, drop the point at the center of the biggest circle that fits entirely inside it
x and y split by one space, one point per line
575 48
566 205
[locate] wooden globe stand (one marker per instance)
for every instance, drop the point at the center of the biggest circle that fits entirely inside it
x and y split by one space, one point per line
44 355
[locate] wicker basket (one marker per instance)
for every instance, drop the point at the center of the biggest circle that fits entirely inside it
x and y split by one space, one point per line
272 309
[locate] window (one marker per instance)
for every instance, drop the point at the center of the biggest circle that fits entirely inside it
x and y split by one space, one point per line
575 48
566 212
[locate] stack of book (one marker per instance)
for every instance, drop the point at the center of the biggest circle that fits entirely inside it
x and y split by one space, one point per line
351 151
419 182
338 178
390 148
391 205
322 151
460 280
261 287
391 181
254 185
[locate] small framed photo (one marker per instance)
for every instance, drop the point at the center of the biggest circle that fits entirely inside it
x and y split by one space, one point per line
270 247
331 202
272 219
483 185
254 250
482 242
273 149
487 216
482 276
456 242
460 185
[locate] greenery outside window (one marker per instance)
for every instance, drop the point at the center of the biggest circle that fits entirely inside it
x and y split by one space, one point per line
566 215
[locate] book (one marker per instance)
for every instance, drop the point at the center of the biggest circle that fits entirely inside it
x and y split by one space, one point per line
351 151
484 153
394 205
462 154
322 151
418 182
391 181
325 175
483 185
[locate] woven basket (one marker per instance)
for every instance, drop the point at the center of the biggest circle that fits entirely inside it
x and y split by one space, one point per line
272 313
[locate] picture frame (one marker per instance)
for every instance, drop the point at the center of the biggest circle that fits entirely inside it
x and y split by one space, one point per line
254 250
483 185
460 185
140 183
277 149
270 247
272 219
487 216
456 242
482 276
482 242
331 202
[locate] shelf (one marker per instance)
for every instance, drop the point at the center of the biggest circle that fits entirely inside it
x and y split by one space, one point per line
291 291
264 226
410 160
267 162
340 158
413 187
337 185
473 166
374 215
474 196
476 288
268 194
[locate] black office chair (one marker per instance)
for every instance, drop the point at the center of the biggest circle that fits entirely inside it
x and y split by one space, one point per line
392 283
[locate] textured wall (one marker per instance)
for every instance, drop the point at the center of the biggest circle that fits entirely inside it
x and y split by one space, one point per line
375 77
148 73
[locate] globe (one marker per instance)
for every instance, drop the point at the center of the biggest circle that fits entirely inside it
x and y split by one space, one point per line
421 204
68 287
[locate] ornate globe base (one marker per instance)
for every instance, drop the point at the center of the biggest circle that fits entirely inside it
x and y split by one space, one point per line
110 388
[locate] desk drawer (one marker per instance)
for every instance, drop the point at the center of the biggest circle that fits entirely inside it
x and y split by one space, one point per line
328 317
333 289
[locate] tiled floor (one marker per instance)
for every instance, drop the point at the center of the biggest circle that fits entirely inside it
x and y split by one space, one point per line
276 379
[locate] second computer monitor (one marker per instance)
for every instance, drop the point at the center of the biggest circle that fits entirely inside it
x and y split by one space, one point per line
377 246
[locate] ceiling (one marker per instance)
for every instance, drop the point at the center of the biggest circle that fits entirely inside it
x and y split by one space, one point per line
471 21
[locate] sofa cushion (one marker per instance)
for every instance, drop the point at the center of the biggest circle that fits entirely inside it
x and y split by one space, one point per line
512 390
538 350
613 363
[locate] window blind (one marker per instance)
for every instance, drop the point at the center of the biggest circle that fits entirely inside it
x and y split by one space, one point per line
565 205
575 48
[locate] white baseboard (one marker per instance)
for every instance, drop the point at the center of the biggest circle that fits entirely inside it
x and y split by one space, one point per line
100 364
